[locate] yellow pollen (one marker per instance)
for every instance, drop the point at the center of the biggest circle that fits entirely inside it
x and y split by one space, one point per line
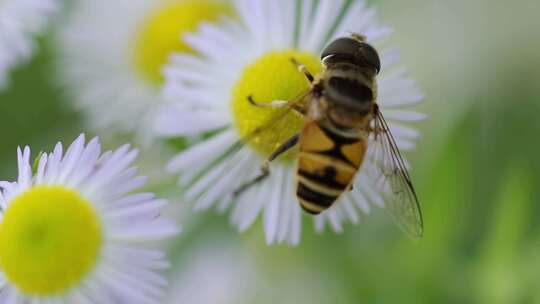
50 238
271 77
161 33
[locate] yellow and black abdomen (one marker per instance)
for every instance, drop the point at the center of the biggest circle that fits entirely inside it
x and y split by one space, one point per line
327 165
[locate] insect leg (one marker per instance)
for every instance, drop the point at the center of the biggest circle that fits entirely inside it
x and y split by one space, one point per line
275 104
302 68
265 168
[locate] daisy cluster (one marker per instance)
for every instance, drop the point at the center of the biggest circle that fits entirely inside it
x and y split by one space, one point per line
75 226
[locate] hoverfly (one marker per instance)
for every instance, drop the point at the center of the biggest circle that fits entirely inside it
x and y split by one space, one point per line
342 118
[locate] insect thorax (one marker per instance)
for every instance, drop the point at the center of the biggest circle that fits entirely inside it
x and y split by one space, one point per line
349 93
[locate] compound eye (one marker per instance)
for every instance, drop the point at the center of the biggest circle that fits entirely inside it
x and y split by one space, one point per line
370 56
348 50
342 47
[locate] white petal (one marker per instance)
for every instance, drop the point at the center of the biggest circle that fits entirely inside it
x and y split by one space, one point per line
161 229
25 170
176 122
402 132
405 116
249 206
286 203
204 152
349 210
335 219
396 90
223 182
326 13
272 210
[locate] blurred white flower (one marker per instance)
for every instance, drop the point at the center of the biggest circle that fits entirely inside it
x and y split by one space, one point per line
20 22
112 53
72 230
207 93
215 270
213 273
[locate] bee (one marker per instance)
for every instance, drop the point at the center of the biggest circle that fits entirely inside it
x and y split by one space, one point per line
341 116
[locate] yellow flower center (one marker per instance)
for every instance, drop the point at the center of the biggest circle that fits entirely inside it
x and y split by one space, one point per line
50 239
271 77
161 34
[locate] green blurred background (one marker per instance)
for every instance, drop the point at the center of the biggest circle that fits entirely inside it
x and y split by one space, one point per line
476 169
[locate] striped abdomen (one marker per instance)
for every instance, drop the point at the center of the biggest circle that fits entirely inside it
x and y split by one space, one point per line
327 165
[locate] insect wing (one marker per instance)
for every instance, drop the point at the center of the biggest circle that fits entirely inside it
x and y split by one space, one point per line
394 181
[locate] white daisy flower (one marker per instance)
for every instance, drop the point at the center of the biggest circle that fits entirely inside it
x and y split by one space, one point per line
208 94
20 21
74 231
112 53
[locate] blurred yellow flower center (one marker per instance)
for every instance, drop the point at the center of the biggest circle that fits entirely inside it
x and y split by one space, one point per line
161 33
271 77
50 239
